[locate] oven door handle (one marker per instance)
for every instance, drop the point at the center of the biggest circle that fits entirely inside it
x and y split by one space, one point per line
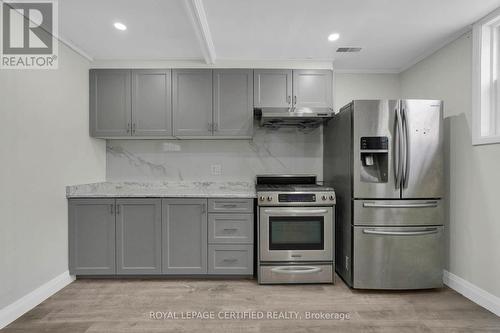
296 211
296 270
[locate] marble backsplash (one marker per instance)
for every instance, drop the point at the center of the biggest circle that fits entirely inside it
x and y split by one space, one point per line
288 150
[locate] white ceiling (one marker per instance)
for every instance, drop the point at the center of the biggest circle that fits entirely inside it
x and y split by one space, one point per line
392 33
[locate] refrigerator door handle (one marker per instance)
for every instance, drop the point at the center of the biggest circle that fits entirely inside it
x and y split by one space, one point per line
398 146
431 204
401 233
406 146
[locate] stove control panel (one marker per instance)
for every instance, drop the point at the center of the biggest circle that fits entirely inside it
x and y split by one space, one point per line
320 198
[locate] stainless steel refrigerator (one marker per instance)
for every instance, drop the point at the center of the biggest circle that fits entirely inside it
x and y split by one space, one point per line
384 159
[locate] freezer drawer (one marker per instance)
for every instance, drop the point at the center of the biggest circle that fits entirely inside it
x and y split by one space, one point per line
398 257
398 212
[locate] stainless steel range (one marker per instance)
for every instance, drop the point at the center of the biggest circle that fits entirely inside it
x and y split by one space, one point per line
296 230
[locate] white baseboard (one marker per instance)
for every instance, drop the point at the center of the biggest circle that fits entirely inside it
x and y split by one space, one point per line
15 310
472 292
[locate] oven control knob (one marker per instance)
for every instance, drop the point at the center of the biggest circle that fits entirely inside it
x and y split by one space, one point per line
269 198
323 197
262 198
332 197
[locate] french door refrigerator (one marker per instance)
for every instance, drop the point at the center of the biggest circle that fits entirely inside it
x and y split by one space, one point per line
384 159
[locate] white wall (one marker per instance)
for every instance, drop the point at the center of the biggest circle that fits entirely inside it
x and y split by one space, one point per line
44 146
473 177
364 86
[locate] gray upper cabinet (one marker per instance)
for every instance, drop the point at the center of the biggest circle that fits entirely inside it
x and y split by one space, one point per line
312 88
110 102
272 88
138 236
192 102
184 236
233 105
151 103
91 236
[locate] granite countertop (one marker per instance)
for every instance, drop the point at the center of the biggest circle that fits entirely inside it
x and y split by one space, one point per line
162 189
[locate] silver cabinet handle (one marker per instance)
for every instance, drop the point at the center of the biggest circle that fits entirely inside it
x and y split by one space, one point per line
229 205
296 211
289 99
128 127
230 259
111 209
216 127
230 229
133 128
296 270
294 100
401 233
415 205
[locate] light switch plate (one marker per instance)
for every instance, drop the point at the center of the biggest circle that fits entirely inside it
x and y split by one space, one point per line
216 169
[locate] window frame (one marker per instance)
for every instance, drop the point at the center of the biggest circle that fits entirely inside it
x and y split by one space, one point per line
486 79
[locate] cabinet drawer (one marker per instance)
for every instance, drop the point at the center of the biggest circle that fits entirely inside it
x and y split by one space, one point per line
230 259
230 205
230 228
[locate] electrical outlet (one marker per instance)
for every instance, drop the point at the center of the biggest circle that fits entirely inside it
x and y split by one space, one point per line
216 169
169 146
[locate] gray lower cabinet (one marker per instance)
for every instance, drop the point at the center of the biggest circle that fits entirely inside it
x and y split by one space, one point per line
230 228
138 236
110 102
152 236
151 102
184 236
192 102
227 205
312 88
230 259
233 105
272 88
91 236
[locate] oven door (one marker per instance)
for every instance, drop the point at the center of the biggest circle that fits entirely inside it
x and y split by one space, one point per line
296 233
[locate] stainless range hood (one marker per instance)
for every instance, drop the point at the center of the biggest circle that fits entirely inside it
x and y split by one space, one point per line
294 117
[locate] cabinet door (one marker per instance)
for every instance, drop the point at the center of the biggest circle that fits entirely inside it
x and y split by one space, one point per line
184 236
138 236
272 88
151 102
232 95
192 102
110 102
312 88
91 236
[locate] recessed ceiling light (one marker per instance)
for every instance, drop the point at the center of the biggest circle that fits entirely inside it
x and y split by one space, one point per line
120 26
333 37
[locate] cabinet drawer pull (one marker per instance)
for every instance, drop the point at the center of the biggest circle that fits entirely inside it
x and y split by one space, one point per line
230 229
229 259
229 205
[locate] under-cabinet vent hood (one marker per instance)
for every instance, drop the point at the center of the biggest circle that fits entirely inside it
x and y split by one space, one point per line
294 117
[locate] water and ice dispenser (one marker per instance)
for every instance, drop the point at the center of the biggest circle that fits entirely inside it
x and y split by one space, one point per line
374 151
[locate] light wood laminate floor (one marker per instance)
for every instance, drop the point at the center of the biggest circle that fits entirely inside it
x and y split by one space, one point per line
97 305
